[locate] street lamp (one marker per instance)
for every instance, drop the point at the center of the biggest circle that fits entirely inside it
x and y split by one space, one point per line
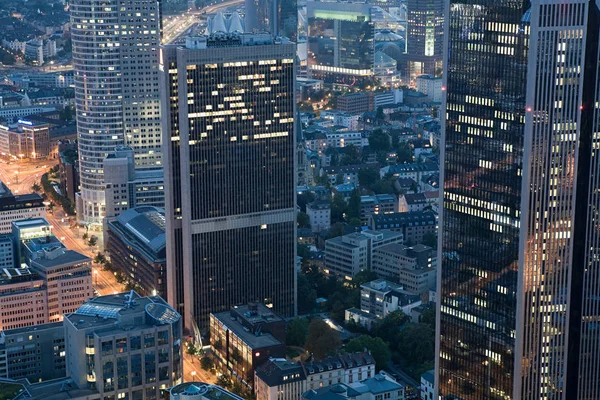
96 277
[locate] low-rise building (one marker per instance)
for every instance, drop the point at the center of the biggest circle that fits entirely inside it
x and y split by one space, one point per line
7 252
341 139
377 204
245 337
124 346
319 214
378 387
66 274
378 298
427 385
355 103
282 379
412 202
200 391
412 225
346 256
430 86
23 298
36 353
413 267
137 247
18 207
279 379
347 173
413 170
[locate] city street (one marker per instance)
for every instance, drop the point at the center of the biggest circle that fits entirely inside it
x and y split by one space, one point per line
193 372
20 175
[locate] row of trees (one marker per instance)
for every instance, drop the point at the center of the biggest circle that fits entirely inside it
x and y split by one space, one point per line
63 201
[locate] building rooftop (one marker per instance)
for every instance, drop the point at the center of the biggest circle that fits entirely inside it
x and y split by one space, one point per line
377 385
201 391
34 328
404 218
415 198
275 370
381 285
413 167
58 257
429 376
116 312
145 224
14 275
252 340
319 205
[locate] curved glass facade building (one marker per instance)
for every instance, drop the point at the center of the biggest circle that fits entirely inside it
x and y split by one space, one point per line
115 60
519 280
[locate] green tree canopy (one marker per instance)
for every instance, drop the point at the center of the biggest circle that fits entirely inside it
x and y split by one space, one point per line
307 295
354 205
296 332
379 140
430 239
379 350
404 153
368 177
321 339
303 220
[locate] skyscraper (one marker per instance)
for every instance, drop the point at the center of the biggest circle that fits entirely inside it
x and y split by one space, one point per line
278 17
519 278
229 166
115 60
340 41
425 36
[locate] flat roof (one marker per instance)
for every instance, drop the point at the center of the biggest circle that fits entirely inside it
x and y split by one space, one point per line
68 257
255 342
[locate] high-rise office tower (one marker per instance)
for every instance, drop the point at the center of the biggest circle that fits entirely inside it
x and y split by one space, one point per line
229 174
115 60
278 17
424 37
519 278
340 41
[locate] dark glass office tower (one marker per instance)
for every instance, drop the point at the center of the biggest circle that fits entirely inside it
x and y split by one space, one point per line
229 172
340 41
424 37
519 281
278 17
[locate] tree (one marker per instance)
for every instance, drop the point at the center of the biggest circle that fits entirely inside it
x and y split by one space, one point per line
430 239
363 277
303 220
296 332
321 339
107 266
379 140
93 241
303 250
380 115
237 388
379 350
338 208
351 155
355 222
119 277
428 317
388 328
190 349
404 154
206 363
307 295
339 179
416 344
100 258
337 229
36 187
354 205
224 381
367 177
85 236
